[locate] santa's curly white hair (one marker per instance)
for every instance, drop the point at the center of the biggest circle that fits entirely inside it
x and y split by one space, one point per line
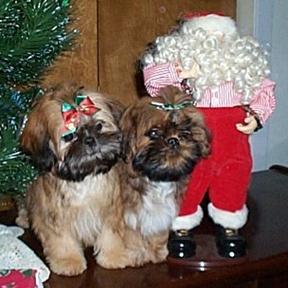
213 42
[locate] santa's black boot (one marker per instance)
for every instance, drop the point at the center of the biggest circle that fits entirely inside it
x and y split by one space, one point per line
229 243
181 244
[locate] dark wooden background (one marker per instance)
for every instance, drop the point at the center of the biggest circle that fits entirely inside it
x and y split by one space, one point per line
113 36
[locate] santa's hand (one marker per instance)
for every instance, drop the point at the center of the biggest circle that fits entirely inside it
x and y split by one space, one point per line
249 126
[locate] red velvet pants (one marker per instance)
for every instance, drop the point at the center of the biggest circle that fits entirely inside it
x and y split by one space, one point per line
226 173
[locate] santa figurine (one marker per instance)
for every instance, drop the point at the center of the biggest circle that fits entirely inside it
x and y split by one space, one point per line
227 77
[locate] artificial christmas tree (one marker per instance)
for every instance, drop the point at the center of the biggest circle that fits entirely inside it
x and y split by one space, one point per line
33 34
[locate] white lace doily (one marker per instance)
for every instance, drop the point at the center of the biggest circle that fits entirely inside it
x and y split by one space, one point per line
15 254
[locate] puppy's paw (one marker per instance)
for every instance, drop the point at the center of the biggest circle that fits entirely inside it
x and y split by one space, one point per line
70 266
22 219
159 255
113 260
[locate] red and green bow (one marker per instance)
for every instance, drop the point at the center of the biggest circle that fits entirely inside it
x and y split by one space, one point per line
72 113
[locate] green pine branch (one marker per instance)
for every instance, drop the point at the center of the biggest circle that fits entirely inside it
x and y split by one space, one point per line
36 35
33 34
14 104
15 170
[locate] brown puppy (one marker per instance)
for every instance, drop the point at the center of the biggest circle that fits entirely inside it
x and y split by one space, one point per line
164 137
75 202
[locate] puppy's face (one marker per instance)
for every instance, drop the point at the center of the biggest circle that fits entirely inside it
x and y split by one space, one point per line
164 145
93 148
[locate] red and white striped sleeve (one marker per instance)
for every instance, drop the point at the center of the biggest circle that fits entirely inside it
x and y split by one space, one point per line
263 101
157 76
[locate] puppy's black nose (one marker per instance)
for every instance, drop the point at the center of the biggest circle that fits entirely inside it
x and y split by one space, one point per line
173 142
89 141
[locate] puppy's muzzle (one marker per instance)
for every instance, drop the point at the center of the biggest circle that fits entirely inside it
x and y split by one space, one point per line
89 141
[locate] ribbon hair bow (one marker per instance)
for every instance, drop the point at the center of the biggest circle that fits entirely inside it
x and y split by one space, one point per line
72 113
170 106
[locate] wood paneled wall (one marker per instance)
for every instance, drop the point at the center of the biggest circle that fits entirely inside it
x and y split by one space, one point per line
81 64
113 36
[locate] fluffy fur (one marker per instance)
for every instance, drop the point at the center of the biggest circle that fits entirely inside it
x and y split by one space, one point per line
161 149
75 202
124 211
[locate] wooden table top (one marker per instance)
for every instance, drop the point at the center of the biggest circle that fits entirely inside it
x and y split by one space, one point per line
266 233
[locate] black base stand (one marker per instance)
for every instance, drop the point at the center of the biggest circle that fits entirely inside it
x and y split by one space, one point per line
206 256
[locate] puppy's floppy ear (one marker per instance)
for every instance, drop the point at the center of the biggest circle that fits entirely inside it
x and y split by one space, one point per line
128 128
34 140
202 136
43 158
201 133
116 109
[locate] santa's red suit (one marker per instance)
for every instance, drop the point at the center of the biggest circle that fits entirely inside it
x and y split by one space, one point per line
226 173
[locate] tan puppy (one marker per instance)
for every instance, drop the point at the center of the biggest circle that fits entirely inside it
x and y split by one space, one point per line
164 137
75 202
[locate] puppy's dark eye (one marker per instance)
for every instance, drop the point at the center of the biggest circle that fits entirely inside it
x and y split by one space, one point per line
99 126
69 137
154 134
